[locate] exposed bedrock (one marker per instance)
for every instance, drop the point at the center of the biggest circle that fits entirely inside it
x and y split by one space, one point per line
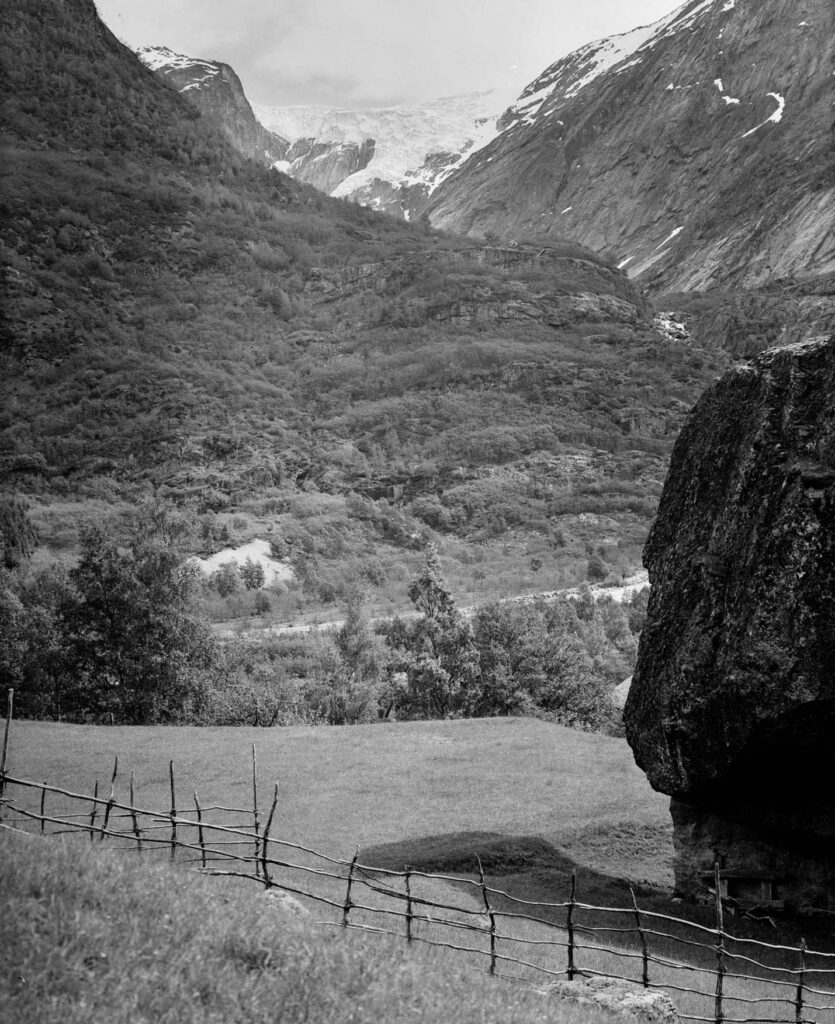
732 706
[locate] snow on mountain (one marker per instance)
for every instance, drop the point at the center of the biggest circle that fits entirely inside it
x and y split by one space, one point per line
215 89
159 57
697 149
415 147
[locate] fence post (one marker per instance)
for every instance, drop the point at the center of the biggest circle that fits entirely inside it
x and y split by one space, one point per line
173 811
490 915
798 1002
133 817
43 808
94 811
200 831
644 949
9 711
570 927
720 946
409 910
265 838
255 813
348 904
110 800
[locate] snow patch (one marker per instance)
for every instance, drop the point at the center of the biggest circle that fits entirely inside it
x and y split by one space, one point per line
729 6
160 58
775 118
568 209
257 551
728 99
623 263
669 238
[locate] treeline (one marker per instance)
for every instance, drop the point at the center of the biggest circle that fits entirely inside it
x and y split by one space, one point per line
119 638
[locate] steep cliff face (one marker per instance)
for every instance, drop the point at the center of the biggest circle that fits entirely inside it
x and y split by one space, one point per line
216 91
698 149
325 165
732 706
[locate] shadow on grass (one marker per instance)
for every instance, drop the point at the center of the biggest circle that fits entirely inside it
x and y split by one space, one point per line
530 868
530 862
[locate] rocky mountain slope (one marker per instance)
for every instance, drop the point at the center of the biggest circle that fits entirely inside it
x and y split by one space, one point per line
390 159
697 150
410 150
216 91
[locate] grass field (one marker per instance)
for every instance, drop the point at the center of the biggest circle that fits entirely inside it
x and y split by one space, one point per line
535 801
128 943
395 783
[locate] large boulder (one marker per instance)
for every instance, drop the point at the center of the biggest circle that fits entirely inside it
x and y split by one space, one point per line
732 706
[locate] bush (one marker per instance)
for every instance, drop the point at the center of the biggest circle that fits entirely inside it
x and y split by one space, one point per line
596 569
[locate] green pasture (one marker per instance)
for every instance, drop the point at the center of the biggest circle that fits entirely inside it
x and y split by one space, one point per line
375 786
126 942
535 801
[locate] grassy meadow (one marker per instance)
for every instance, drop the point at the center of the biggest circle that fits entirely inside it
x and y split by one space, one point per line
375 785
535 801
127 942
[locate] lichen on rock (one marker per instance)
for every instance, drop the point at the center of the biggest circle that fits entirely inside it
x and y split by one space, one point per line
732 706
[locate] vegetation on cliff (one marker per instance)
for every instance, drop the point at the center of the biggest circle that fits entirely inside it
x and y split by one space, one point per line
177 319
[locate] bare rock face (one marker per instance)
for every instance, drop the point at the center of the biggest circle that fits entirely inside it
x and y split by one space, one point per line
698 149
216 91
732 706
325 164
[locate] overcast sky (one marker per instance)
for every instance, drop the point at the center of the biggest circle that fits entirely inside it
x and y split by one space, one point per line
360 53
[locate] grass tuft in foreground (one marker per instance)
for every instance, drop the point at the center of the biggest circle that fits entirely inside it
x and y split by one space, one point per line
95 936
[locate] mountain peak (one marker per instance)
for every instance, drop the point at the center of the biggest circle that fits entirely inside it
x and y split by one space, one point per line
216 91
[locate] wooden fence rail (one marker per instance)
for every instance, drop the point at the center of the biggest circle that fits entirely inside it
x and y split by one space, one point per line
517 939
499 919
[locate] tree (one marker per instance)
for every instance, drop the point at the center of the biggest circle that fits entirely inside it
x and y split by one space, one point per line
132 639
596 569
30 643
226 579
18 536
437 651
252 574
511 641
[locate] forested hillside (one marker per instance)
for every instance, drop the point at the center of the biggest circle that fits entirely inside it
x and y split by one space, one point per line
181 322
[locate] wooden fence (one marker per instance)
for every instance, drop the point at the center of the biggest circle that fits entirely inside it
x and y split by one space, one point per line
748 981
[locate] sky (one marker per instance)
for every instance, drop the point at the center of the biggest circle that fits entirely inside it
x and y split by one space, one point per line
366 53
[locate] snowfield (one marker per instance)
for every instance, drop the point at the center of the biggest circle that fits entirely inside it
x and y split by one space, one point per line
404 136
